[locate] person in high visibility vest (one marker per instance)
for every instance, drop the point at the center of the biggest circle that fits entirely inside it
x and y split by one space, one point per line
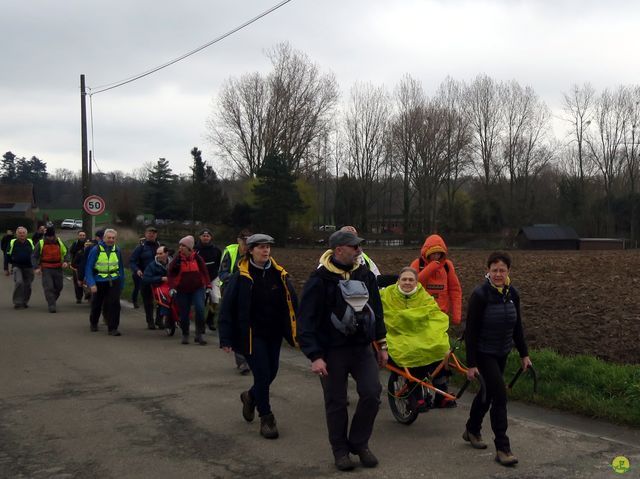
231 256
104 275
19 253
49 259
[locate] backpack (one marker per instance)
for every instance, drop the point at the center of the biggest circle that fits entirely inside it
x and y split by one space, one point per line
358 317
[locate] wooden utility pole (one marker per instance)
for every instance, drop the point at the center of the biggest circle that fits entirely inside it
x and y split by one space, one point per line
86 177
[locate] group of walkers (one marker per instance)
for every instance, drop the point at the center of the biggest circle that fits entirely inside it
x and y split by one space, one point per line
341 314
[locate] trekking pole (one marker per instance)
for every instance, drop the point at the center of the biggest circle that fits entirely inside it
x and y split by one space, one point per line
534 376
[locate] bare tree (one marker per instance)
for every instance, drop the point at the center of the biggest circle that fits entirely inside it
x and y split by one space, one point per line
484 111
578 106
606 140
526 125
458 133
631 148
410 101
281 113
365 126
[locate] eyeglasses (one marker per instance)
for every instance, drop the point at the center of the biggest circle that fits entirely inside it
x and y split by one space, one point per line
356 246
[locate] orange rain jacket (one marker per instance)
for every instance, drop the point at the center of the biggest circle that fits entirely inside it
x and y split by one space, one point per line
439 278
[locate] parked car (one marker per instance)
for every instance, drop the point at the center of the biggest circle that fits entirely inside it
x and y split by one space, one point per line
68 224
77 224
327 228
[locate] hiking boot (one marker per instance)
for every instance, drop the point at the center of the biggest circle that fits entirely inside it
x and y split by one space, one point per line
185 339
244 369
268 427
78 301
211 325
475 440
344 463
93 327
114 332
367 459
248 406
200 339
151 325
52 308
506 458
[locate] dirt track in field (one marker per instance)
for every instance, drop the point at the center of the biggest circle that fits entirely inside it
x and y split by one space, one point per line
575 302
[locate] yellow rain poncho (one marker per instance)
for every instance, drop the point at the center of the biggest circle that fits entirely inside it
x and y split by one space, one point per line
416 328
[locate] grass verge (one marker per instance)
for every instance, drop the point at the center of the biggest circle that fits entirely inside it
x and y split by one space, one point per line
580 384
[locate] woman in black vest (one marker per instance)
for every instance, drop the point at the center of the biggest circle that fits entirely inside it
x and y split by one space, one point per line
494 326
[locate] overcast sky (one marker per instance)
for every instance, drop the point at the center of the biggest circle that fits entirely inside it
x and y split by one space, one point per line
46 45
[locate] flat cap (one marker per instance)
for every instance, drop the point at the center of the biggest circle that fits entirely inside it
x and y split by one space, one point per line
344 238
259 238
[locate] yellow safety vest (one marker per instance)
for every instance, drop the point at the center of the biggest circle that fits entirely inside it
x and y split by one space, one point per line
107 264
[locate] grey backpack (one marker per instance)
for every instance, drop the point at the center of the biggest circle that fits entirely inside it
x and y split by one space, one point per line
358 315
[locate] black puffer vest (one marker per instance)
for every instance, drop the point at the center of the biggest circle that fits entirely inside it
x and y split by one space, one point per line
499 319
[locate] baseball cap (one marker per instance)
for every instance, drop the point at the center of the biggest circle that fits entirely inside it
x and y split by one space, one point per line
344 238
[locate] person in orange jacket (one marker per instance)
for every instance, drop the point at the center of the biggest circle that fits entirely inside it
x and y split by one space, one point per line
438 276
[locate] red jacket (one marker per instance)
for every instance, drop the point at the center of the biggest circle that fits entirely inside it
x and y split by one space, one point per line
439 278
187 274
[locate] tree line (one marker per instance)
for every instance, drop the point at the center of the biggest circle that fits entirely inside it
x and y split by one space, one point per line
477 157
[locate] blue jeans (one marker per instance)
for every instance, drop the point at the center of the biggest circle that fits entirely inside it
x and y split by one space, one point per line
185 301
263 361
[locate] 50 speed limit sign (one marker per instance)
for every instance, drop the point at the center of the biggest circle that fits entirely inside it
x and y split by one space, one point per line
94 205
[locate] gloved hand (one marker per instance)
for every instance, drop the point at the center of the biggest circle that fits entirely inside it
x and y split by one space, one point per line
172 292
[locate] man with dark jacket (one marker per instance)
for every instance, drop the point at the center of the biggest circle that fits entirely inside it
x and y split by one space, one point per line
6 239
19 252
75 254
142 257
336 336
211 255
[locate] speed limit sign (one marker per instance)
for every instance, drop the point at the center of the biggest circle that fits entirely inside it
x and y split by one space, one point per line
94 205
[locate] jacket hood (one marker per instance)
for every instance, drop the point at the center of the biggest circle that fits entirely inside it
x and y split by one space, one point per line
433 244
325 261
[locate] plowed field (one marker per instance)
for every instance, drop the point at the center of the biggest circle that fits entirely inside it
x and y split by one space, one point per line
575 302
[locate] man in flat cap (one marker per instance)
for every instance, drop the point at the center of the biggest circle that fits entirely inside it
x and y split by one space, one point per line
143 256
340 315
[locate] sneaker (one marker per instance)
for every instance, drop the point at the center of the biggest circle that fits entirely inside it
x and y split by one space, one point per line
506 458
268 427
114 332
151 326
185 339
200 340
475 440
344 463
52 308
248 406
93 328
367 458
78 301
244 369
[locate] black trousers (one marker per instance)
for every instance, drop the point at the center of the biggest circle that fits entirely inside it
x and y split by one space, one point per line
360 362
77 289
492 370
147 301
264 361
106 301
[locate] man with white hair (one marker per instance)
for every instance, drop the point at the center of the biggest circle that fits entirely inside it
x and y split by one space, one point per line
19 252
104 275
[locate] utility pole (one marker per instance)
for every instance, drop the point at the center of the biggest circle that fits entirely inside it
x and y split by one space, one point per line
86 178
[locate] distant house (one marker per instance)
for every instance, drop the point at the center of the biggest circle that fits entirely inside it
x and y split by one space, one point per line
601 243
547 236
17 201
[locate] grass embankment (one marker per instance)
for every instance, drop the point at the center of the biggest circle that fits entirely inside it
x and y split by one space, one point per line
580 384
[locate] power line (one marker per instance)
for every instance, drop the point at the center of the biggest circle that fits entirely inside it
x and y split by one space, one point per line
111 86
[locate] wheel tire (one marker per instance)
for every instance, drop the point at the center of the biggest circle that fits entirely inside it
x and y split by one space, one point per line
401 407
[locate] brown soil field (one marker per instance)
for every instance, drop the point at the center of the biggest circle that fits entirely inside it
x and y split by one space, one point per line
574 302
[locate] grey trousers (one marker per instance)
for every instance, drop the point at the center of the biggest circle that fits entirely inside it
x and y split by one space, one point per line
360 362
52 284
23 277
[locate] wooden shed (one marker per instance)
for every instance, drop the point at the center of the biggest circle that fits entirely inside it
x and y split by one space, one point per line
548 236
591 244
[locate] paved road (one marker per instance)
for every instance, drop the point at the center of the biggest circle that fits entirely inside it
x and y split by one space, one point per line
81 404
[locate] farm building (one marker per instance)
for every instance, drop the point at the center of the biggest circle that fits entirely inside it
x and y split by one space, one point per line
17 201
591 244
547 237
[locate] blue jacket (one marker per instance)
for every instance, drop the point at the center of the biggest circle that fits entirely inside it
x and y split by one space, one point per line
21 254
143 256
154 272
89 275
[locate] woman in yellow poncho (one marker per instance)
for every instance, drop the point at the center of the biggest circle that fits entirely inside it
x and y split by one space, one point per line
416 332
